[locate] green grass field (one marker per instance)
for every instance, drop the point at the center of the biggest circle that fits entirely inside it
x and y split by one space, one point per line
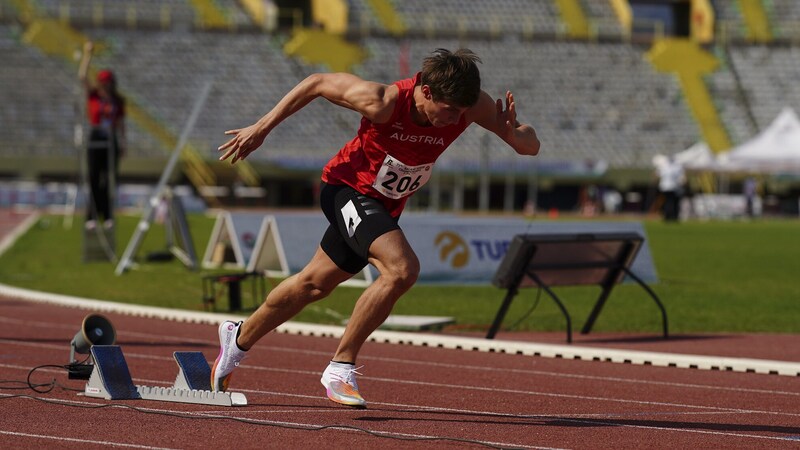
714 277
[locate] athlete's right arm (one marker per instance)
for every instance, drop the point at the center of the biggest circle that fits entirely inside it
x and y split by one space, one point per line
374 101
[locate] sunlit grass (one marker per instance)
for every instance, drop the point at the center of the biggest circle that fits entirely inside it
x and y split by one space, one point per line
714 277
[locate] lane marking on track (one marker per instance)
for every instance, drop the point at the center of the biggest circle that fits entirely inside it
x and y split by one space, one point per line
472 412
709 409
570 375
310 426
684 430
701 362
82 441
266 347
443 385
285 424
10 238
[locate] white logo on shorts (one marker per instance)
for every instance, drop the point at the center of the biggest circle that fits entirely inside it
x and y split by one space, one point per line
351 218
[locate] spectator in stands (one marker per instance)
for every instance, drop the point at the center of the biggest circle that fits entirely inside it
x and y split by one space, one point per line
670 183
105 109
405 126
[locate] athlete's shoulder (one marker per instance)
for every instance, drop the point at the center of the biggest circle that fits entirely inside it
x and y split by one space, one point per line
389 95
408 83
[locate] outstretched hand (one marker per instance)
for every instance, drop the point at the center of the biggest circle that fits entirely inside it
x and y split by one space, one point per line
244 141
508 116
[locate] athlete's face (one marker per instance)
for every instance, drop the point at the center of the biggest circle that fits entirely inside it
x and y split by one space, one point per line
442 114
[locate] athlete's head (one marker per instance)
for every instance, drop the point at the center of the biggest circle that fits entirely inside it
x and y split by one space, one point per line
452 77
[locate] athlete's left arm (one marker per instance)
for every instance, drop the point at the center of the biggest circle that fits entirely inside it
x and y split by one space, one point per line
491 114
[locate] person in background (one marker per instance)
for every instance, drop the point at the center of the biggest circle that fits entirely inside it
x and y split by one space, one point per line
405 126
750 191
671 179
105 108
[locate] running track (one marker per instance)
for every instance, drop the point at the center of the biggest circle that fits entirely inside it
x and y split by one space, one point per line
419 397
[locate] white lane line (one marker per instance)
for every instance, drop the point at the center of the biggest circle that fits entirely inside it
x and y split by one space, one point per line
266 347
82 441
10 238
289 425
312 426
623 420
473 412
699 362
462 388
685 430
459 387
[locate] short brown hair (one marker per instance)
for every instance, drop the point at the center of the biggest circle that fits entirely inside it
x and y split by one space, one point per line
453 76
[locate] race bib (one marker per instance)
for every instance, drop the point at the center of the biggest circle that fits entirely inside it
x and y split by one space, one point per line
397 180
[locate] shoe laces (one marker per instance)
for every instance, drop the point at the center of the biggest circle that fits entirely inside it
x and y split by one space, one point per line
347 375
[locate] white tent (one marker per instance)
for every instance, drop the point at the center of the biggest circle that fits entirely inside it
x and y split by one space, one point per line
775 150
698 155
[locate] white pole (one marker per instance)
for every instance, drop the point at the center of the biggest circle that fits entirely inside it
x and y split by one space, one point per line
147 216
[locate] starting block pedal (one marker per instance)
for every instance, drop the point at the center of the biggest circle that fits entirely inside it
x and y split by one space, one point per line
193 371
110 377
112 380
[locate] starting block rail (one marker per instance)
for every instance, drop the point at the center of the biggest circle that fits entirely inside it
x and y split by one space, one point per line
112 380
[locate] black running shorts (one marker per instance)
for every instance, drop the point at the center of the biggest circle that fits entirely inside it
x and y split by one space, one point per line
355 221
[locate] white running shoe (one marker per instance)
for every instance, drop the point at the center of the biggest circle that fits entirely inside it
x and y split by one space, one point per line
339 380
229 356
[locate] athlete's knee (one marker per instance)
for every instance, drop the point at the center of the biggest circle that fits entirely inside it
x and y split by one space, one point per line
311 291
402 273
312 287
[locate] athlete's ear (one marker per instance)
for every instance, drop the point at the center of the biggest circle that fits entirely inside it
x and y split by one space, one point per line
426 91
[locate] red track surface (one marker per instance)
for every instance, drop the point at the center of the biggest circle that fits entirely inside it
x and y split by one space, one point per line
435 397
440 396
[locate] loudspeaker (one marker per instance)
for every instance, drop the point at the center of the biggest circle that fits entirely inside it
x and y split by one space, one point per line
95 330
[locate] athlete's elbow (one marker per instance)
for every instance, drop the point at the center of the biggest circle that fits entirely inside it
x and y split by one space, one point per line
535 147
314 81
529 148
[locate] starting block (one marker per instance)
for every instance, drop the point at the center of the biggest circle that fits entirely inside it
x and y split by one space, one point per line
112 380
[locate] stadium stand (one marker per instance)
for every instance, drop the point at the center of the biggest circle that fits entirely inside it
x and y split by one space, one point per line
140 13
603 20
772 77
38 100
785 17
493 17
120 13
362 19
252 74
557 84
729 19
731 102
591 100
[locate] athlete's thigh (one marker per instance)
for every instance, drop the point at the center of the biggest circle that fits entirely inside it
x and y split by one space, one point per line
358 219
322 271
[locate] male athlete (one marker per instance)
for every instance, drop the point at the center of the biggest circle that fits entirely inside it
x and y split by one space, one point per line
405 127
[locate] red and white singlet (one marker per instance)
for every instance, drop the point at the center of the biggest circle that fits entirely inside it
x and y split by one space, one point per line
390 161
